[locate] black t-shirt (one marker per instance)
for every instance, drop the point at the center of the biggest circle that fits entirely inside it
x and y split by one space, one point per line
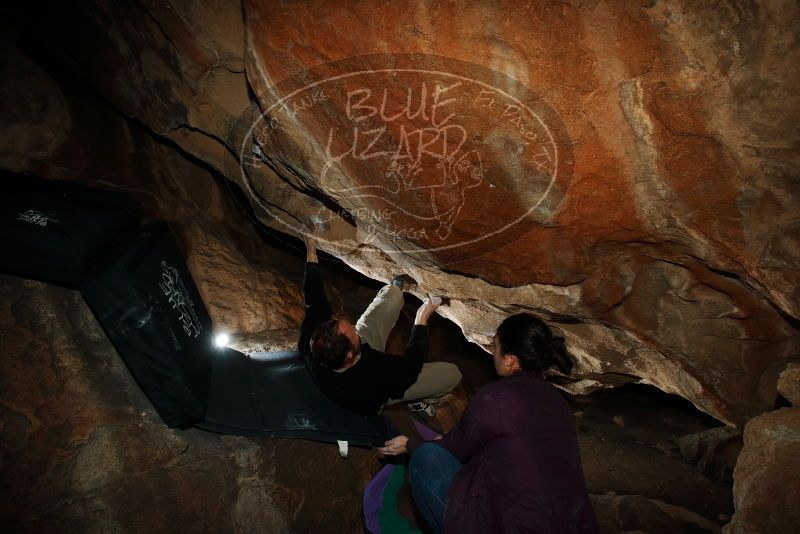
377 376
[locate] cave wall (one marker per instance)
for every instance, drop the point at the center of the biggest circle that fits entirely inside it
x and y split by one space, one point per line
81 447
83 450
666 250
58 127
669 253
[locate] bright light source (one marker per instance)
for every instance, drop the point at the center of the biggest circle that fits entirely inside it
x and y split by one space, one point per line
221 340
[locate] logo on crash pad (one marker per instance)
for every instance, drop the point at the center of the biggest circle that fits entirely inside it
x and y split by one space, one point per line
423 154
35 217
172 287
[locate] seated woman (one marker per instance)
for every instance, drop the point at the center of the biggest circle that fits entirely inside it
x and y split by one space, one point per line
512 463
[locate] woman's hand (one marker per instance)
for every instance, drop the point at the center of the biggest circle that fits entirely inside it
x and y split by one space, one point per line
425 311
394 446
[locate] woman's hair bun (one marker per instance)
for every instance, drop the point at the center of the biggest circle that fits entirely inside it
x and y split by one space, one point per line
533 343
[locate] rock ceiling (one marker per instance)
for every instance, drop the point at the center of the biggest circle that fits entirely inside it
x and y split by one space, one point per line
630 173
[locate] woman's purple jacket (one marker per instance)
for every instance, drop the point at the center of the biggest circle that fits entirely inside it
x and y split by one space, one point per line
522 469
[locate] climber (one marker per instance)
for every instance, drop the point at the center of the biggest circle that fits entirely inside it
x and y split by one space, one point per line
348 361
512 462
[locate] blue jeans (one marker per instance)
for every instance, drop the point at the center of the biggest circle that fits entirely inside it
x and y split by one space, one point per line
431 472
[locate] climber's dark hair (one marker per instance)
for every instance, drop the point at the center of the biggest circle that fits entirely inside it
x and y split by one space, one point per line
329 347
533 343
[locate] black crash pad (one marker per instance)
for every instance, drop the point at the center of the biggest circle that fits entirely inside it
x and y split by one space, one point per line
147 302
54 230
272 393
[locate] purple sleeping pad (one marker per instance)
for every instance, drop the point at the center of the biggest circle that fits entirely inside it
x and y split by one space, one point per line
425 432
374 492
373 498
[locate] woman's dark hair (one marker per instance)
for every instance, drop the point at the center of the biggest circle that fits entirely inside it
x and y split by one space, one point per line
329 347
533 343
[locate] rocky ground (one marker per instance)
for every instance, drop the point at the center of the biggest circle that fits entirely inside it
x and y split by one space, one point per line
82 449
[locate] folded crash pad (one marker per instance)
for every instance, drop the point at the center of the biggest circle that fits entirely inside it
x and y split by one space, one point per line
272 393
54 230
147 302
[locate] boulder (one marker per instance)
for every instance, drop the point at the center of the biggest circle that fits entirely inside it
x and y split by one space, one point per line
635 513
789 384
766 488
643 238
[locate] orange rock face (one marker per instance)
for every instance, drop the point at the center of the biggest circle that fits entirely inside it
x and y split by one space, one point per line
614 153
